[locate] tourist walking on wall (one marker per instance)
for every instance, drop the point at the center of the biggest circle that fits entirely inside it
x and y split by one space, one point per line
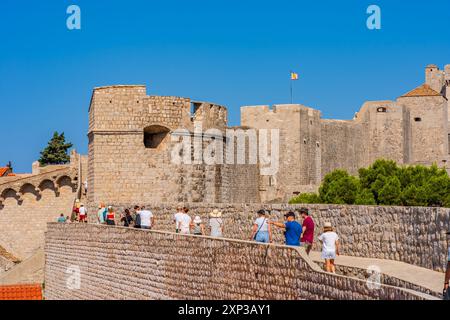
261 228
111 217
307 238
447 275
101 213
293 229
83 213
127 219
176 218
184 224
198 227
76 210
330 246
216 223
137 217
147 219
61 218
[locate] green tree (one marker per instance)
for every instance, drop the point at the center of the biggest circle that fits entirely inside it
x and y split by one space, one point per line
390 191
306 198
385 183
339 188
374 177
56 151
365 197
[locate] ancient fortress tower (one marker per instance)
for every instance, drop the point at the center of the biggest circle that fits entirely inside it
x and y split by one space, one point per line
131 138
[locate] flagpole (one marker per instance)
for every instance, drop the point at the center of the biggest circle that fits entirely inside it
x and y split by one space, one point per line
292 96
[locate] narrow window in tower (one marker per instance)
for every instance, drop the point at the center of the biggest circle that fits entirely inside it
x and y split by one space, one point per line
417 119
381 109
154 136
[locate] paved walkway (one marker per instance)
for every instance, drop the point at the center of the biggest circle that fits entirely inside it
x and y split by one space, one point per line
423 277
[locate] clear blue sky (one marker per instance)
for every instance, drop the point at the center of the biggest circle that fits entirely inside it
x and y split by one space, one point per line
230 52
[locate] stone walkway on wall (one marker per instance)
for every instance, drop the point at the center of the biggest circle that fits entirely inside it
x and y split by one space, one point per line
426 278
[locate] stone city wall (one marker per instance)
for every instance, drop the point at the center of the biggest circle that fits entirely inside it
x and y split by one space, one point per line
123 263
415 235
27 204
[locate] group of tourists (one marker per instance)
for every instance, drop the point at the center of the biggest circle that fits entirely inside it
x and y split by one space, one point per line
184 224
295 233
299 234
79 213
142 218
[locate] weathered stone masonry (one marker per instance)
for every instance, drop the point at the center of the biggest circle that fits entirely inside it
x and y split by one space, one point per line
124 263
27 204
414 235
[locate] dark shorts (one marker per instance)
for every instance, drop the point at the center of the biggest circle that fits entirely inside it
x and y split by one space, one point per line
145 227
110 222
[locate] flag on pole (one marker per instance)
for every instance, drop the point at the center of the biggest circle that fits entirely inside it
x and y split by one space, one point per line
294 76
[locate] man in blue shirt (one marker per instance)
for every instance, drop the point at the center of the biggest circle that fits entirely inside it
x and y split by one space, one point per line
293 229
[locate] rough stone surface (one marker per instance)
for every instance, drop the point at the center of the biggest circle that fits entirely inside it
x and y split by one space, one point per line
415 235
123 263
27 204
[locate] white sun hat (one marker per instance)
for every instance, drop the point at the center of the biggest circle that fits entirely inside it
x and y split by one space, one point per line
215 214
197 219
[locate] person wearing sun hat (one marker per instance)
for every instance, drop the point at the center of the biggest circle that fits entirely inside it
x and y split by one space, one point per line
330 246
198 227
215 223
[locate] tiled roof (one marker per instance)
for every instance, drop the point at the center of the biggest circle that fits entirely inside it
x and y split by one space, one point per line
3 170
423 91
21 292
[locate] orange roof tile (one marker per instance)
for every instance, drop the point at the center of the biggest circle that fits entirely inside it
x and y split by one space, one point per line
21 292
3 170
423 91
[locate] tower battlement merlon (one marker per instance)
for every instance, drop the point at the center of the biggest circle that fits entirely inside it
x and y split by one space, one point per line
211 115
435 78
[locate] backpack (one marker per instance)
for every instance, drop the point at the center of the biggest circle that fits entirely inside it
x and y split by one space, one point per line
105 213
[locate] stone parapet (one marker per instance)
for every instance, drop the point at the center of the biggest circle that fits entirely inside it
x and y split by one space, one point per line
415 235
122 263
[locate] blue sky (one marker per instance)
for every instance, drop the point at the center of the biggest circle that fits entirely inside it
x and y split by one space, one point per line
230 52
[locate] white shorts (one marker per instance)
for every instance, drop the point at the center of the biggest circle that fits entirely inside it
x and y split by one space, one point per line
328 254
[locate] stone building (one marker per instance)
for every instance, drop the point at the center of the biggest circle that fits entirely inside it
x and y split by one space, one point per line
136 143
132 138
410 130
